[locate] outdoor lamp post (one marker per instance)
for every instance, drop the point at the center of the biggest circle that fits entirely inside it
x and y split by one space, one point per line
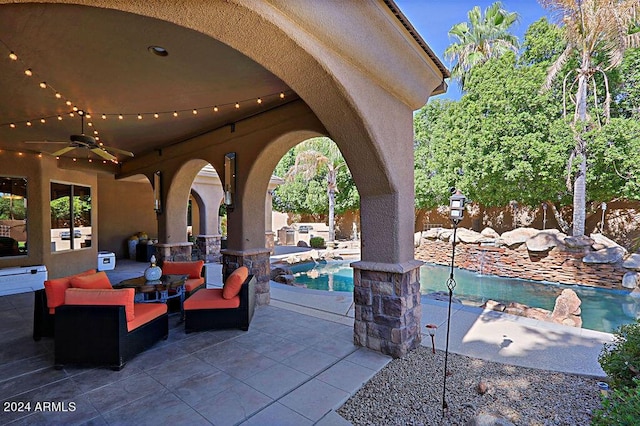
544 216
456 214
604 209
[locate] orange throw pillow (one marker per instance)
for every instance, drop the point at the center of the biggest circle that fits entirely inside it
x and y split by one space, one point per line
55 288
122 297
193 269
233 283
96 281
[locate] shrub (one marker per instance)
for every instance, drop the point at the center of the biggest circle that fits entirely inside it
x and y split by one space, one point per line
621 407
621 359
317 242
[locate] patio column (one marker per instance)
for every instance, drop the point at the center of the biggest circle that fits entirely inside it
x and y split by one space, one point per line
257 261
176 252
209 246
387 306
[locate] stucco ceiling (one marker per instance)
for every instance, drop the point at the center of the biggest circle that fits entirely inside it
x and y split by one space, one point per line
99 60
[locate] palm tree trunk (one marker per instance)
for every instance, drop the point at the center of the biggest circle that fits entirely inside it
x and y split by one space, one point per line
332 207
580 182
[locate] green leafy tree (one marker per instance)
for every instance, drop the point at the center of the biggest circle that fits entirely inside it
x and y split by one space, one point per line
317 181
483 37
598 33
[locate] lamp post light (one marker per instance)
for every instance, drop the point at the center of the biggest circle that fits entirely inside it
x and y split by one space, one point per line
431 329
544 216
604 209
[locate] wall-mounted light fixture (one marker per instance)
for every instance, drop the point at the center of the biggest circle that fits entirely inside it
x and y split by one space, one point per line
229 179
157 192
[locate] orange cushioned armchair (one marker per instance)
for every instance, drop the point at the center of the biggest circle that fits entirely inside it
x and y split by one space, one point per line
194 282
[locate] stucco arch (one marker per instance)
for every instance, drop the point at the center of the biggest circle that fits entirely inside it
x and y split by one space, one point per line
176 188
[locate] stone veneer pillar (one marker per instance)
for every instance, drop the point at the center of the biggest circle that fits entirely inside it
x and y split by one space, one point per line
387 306
209 246
270 240
178 252
258 263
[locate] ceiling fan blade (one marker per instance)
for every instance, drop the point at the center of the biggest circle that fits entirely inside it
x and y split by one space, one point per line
63 150
104 154
47 142
118 150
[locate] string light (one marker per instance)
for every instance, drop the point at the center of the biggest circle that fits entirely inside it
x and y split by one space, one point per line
195 112
13 56
43 84
259 100
58 95
281 95
120 117
28 72
104 116
215 108
237 105
68 103
156 115
139 116
59 118
29 123
42 120
175 113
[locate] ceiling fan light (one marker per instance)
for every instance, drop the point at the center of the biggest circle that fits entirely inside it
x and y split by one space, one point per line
158 51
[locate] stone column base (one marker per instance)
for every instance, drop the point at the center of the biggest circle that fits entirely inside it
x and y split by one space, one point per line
257 261
178 252
209 246
387 306
270 240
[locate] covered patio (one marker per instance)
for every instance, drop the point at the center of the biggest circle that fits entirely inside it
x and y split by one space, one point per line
184 84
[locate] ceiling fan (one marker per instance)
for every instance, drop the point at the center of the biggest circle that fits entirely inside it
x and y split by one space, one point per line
86 142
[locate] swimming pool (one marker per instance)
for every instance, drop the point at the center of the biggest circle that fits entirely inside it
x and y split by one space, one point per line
602 309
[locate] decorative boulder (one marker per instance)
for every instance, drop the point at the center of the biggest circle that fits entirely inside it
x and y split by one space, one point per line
445 234
545 240
516 237
579 242
631 280
567 309
632 262
431 234
602 241
492 305
606 255
489 232
467 236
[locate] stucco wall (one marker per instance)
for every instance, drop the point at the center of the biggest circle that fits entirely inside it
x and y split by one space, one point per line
126 208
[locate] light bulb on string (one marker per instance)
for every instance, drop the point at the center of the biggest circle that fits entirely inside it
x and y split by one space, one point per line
139 116
58 95
42 120
259 100
13 56
88 115
195 112
68 103
215 108
29 123
175 113
28 72
71 114
12 125
104 116
281 95
237 105
120 117
43 84
59 118
156 115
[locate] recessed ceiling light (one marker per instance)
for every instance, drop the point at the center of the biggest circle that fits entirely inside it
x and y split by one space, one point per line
158 50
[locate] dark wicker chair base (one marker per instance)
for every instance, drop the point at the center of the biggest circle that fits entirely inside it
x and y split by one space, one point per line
97 335
43 321
218 319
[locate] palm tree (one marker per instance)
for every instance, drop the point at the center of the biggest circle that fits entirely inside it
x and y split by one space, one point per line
597 32
313 156
480 39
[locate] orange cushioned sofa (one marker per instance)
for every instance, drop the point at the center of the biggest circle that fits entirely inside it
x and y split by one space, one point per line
96 324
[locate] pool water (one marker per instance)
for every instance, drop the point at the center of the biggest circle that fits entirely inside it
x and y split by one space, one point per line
602 309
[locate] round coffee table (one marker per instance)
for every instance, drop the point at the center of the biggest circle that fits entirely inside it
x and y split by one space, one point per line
157 291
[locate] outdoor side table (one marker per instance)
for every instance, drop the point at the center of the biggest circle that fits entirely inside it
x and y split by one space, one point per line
157 291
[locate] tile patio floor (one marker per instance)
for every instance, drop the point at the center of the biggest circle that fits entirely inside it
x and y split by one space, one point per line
289 368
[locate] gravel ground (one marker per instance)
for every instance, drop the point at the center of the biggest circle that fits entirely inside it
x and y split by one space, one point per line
408 391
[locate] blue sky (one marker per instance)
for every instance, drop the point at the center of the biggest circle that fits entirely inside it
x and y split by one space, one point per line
434 18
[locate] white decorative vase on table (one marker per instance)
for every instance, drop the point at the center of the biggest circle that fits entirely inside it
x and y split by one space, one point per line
153 272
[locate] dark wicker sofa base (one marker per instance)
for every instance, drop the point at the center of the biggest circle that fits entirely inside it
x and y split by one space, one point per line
218 319
97 335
